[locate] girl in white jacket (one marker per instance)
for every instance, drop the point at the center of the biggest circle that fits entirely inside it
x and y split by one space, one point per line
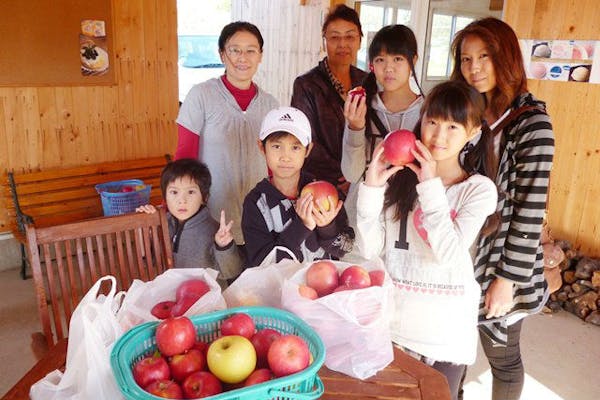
423 219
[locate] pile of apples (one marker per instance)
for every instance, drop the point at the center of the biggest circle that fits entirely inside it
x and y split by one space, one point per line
186 295
186 368
322 278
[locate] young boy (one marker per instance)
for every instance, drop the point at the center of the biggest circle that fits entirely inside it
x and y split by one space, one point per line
274 214
197 239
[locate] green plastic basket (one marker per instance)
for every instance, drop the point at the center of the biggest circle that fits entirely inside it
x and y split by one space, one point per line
304 385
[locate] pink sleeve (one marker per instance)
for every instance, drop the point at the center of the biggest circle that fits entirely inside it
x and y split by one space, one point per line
188 143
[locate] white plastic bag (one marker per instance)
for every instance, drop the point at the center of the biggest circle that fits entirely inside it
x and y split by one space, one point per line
93 330
261 286
142 296
353 324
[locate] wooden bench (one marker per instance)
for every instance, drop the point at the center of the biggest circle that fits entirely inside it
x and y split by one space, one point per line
61 195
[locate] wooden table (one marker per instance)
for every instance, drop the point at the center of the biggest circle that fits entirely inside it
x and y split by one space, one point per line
404 379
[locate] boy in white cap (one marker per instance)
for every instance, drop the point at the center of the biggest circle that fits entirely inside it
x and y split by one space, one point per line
274 213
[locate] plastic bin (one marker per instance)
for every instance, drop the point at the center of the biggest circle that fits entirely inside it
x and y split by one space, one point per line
140 342
117 202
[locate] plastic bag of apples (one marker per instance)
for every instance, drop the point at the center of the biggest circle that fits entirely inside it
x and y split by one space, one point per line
349 306
175 292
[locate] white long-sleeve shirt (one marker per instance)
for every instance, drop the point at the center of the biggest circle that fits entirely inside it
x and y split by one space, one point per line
427 255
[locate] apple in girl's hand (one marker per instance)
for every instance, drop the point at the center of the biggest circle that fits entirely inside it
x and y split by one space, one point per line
377 276
175 335
357 91
287 355
258 376
186 363
321 191
398 146
355 277
323 277
192 288
151 368
262 341
201 384
308 292
162 310
165 389
231 358
238 324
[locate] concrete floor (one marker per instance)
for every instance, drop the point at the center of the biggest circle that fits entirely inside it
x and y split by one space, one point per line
561 353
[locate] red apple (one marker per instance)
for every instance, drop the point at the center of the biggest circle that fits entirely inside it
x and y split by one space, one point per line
258 376
238 324
162 310
182 305
150 369
175 335
322 191
262 341
165 389
357 91
355 277
377 276
308 292
192 288
186 363
322 276
342 288
398 146
127 189
202 346
201 384
287 355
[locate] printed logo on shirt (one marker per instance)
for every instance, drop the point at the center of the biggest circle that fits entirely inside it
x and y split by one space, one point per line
430 288
286 117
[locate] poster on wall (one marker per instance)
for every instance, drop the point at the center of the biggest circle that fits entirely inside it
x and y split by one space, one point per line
93 48
562 60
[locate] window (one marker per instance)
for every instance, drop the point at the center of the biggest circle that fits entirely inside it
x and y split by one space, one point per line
442 31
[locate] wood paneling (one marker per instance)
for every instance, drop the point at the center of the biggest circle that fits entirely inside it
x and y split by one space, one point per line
574 207
44 127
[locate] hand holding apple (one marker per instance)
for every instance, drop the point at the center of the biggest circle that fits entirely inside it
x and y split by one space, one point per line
355 109
427 168
325 195
399 146
378 172
304 209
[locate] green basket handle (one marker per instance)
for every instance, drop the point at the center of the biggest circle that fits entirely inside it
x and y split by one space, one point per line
315 394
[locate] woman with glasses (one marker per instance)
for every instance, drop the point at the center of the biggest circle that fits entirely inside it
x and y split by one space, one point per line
219 120
320 93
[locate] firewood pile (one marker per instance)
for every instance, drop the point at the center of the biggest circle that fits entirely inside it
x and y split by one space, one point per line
573 279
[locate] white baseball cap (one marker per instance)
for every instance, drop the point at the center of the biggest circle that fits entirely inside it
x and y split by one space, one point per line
287 119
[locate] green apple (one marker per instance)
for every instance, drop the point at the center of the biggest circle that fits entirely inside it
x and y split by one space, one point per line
231 358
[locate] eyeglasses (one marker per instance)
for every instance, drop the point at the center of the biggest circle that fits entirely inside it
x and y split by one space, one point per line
337 38
237 52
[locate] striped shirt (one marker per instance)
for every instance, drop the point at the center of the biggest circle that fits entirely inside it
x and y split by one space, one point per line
514 252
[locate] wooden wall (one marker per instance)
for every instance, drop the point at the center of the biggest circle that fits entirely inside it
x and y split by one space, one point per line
574 208
43 127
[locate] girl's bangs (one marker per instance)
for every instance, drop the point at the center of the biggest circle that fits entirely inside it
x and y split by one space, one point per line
450 105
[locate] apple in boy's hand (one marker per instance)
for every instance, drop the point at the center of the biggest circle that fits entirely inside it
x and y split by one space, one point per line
175 335
321 191
192 288
287 355
355 277
377 277
258 376
238 324
151 368
165 389
162 310
186 363
398 146
231 358
357 91
261 341
201 384
323 277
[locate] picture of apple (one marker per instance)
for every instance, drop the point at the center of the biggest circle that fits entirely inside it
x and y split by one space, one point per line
165 389
162 310
238 324
322 276
175 335
357 91
355 277
398 146
182 305
184 364
262 341
191 288
258 376
377 277
231 358
322 191
287 355
201 384
150 369
308 292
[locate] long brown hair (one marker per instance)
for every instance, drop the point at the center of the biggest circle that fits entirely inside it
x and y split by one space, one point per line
503 48
451 101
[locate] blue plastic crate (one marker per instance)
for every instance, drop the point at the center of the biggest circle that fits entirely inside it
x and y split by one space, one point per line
306 385
116 202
